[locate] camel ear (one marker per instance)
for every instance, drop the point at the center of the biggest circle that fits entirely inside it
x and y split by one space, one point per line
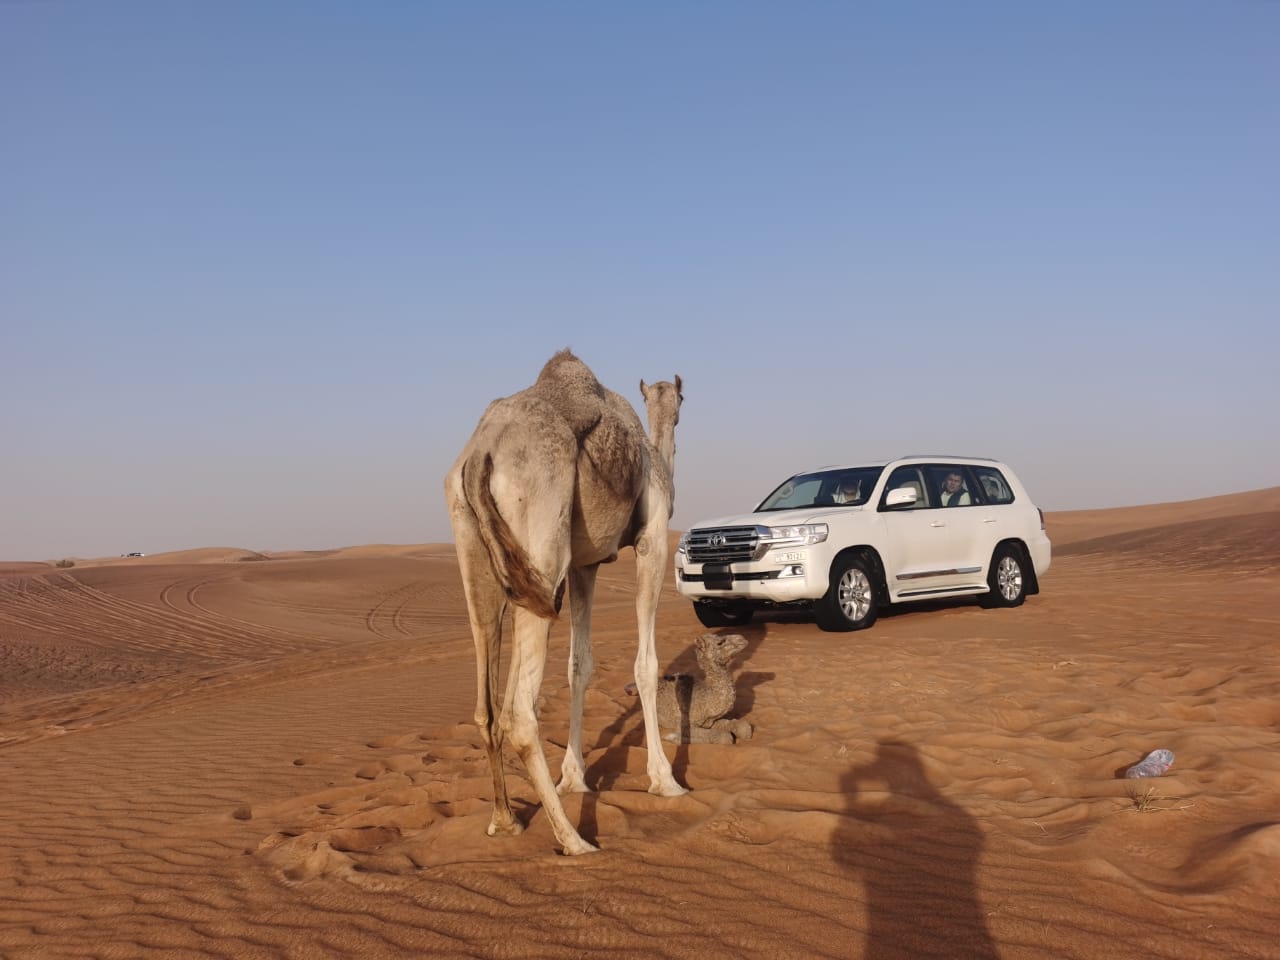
644 391
679 387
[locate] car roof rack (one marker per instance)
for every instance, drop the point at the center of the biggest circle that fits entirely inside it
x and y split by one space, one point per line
945 456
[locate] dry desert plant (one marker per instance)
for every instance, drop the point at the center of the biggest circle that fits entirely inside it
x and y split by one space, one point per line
1148 801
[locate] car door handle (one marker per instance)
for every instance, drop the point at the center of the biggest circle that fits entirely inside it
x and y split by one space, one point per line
988 519
936 523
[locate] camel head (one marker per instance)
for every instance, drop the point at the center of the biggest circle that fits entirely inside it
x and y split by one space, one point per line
663 399
662 404
718 648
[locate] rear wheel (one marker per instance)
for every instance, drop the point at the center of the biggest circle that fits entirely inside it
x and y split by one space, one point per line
723 614
1007 577
850 601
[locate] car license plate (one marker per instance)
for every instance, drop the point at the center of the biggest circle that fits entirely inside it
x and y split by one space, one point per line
717 576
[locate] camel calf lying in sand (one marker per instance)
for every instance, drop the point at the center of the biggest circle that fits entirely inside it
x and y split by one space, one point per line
692 709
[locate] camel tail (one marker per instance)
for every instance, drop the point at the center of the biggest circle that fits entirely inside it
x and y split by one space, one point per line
521 581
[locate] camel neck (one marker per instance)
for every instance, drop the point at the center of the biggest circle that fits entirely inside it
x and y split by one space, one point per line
665 443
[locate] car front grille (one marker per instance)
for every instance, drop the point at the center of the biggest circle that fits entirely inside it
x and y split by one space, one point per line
722 544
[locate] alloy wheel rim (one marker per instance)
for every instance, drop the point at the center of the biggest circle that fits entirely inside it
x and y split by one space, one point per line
1009 577
855 594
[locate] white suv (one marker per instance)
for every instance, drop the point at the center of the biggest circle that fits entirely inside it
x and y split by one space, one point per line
848 540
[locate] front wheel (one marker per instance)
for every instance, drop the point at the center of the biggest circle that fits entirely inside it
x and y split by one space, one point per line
850 601
723 615
1007 578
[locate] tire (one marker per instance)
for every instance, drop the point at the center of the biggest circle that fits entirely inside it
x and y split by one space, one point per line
1007 577
723 615
850 602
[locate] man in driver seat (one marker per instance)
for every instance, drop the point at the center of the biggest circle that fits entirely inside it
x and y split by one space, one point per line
848 491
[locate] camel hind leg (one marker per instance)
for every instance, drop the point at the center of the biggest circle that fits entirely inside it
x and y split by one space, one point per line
544 529
582 587
538 515
487 632
486 604
520 720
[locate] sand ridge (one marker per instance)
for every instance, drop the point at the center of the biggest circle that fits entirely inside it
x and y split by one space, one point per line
276 759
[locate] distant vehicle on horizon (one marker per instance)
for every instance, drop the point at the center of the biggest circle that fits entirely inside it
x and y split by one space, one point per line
135 554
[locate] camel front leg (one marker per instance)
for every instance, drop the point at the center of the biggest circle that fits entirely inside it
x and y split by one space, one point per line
582 586
520 721
651 567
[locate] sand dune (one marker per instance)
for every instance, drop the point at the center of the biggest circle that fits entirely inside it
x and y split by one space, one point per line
23 569
216 758
198 555
1071 526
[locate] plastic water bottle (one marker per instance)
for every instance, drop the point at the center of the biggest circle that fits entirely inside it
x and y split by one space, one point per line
1152 765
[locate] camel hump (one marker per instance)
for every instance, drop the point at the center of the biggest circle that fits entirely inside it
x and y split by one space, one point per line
618 448
606 426
568 385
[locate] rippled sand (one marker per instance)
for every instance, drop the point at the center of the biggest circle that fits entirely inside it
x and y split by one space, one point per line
221 754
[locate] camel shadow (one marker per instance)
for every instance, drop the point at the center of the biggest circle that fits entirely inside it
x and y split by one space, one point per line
916 854
615 739
747 681
889 611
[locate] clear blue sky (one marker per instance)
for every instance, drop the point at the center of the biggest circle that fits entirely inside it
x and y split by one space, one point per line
262 265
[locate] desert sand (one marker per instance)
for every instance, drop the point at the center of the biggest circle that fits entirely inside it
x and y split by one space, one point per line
224 753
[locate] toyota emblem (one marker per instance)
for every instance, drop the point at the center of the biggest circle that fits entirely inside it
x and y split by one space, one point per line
718 540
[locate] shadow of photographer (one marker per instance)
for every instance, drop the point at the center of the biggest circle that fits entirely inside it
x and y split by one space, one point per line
917 855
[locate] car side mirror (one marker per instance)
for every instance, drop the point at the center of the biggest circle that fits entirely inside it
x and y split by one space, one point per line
901 497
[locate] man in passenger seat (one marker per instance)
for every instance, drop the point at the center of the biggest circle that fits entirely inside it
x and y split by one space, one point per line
953 492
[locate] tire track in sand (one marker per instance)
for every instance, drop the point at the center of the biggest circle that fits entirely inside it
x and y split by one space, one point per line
390 609
249 629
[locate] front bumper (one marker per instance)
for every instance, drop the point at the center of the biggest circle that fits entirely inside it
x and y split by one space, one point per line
779 582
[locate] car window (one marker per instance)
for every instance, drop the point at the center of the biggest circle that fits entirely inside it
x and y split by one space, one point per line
850 488
953 485
847 487
909 476
995 488
799 491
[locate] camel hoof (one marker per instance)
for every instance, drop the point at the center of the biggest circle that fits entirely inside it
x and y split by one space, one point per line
671 789
579 848
566 787
512 829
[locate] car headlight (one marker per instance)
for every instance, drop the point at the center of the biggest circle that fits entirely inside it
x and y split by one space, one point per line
683 543
803 533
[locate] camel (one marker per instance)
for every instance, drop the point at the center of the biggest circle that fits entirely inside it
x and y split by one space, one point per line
555 481
692 709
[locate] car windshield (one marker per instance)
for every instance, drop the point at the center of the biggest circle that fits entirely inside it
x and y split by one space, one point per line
848 486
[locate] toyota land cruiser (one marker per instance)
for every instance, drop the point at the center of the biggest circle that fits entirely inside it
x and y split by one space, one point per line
849 540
